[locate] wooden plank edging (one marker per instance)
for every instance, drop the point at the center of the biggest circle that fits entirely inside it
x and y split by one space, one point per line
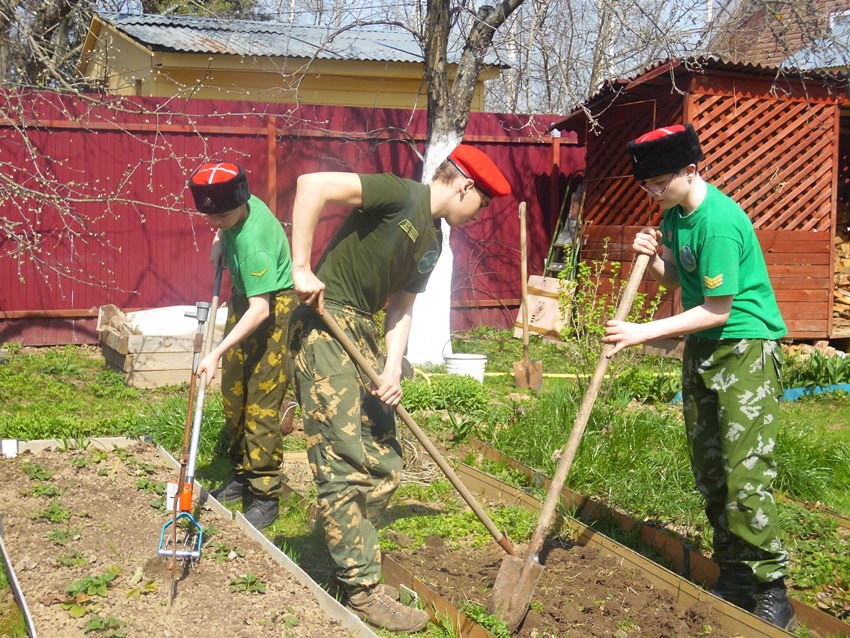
688 562
15 586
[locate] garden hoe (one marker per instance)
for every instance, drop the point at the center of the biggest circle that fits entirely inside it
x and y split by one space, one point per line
186 542
517 578
361 361
527 373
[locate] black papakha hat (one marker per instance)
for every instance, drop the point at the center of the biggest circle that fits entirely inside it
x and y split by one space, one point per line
664 150
219 187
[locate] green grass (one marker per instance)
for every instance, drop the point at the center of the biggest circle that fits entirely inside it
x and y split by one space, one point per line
11 619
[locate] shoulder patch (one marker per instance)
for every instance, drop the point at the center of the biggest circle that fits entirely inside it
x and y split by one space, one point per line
713 282
428 261
261 273
409 229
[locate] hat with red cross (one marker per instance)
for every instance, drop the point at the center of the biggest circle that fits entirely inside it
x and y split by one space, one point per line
219 187
664 150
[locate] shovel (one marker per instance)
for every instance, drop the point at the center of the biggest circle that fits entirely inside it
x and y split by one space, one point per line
517 578
527 373
361 361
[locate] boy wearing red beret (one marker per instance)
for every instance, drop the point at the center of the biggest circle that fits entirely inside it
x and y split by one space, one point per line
255 372
731 363
381 256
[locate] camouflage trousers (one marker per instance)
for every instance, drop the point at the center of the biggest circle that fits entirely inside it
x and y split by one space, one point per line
730 390
351 438
255 375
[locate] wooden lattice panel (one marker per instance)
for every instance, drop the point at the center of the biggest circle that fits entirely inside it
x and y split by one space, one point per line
774 157
612 195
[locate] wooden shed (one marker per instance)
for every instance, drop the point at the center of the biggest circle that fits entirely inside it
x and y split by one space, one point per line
771 142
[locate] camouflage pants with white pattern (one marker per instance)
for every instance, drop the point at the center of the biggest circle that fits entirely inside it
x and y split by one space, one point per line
351 438
255 375
730 391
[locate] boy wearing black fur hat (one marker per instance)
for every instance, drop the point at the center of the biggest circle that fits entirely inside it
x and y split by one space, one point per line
255 370
731 363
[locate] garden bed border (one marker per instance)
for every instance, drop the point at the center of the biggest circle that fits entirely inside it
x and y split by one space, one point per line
689 564
332 607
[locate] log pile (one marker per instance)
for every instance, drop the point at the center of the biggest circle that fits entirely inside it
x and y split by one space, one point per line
842 275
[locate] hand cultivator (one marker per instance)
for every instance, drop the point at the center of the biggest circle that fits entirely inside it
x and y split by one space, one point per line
182 536
517 578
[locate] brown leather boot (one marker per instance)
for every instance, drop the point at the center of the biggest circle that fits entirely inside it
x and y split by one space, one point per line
374 606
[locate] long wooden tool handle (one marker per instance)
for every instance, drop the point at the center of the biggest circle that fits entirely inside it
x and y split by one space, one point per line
524 270
361 361
548 510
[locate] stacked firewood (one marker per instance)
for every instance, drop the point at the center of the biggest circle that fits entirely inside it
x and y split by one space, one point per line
841 308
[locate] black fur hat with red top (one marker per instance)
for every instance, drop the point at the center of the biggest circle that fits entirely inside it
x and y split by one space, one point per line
664 150
219 187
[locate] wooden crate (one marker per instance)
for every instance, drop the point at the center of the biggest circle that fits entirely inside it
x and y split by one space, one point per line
149 361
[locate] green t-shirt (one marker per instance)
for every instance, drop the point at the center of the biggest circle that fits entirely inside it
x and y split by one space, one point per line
258 252
717 253
389 244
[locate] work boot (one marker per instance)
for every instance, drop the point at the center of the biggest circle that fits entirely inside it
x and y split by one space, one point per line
373 605
735 585
235 490
772 605
262 511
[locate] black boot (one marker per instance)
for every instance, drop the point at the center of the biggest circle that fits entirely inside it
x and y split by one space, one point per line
263 511
735 585
235 490
772 605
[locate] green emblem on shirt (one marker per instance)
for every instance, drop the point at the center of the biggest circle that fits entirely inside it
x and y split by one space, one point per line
428 261
686 256
410 230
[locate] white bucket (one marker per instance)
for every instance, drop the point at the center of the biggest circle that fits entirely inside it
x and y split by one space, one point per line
470 365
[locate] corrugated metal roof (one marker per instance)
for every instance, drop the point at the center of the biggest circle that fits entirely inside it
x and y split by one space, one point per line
255 38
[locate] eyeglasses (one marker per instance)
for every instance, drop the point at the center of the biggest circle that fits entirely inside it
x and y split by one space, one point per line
655 188
485 198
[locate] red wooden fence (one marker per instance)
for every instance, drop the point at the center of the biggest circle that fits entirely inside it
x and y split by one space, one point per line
94 188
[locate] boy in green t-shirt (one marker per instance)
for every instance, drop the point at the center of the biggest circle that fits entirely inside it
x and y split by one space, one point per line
382 254
731 363
256 370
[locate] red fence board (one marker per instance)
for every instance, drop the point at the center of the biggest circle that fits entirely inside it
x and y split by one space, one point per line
116 170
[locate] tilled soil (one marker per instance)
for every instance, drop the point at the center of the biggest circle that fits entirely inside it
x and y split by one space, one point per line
581 593
113 524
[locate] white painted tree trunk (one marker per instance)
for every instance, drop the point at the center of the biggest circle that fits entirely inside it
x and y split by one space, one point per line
431 330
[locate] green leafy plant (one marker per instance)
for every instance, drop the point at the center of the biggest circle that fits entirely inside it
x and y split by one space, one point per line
223 552
54 513
248 583
106 626
74 559
46 489
94 585
37 472
814 370
479 614
63 536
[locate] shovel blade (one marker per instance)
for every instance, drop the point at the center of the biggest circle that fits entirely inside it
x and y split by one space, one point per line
515 585
528 374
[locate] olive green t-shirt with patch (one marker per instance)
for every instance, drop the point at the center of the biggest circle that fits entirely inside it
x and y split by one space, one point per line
258 255
717 253
390 243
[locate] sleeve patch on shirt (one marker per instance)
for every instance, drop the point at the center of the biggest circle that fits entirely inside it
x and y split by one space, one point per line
410 230
713 282
261 273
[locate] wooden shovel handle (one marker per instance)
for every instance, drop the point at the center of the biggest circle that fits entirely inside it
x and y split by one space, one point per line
361 361
524 271
548 510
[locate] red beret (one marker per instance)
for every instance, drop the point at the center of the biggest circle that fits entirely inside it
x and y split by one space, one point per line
219 187
480 169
